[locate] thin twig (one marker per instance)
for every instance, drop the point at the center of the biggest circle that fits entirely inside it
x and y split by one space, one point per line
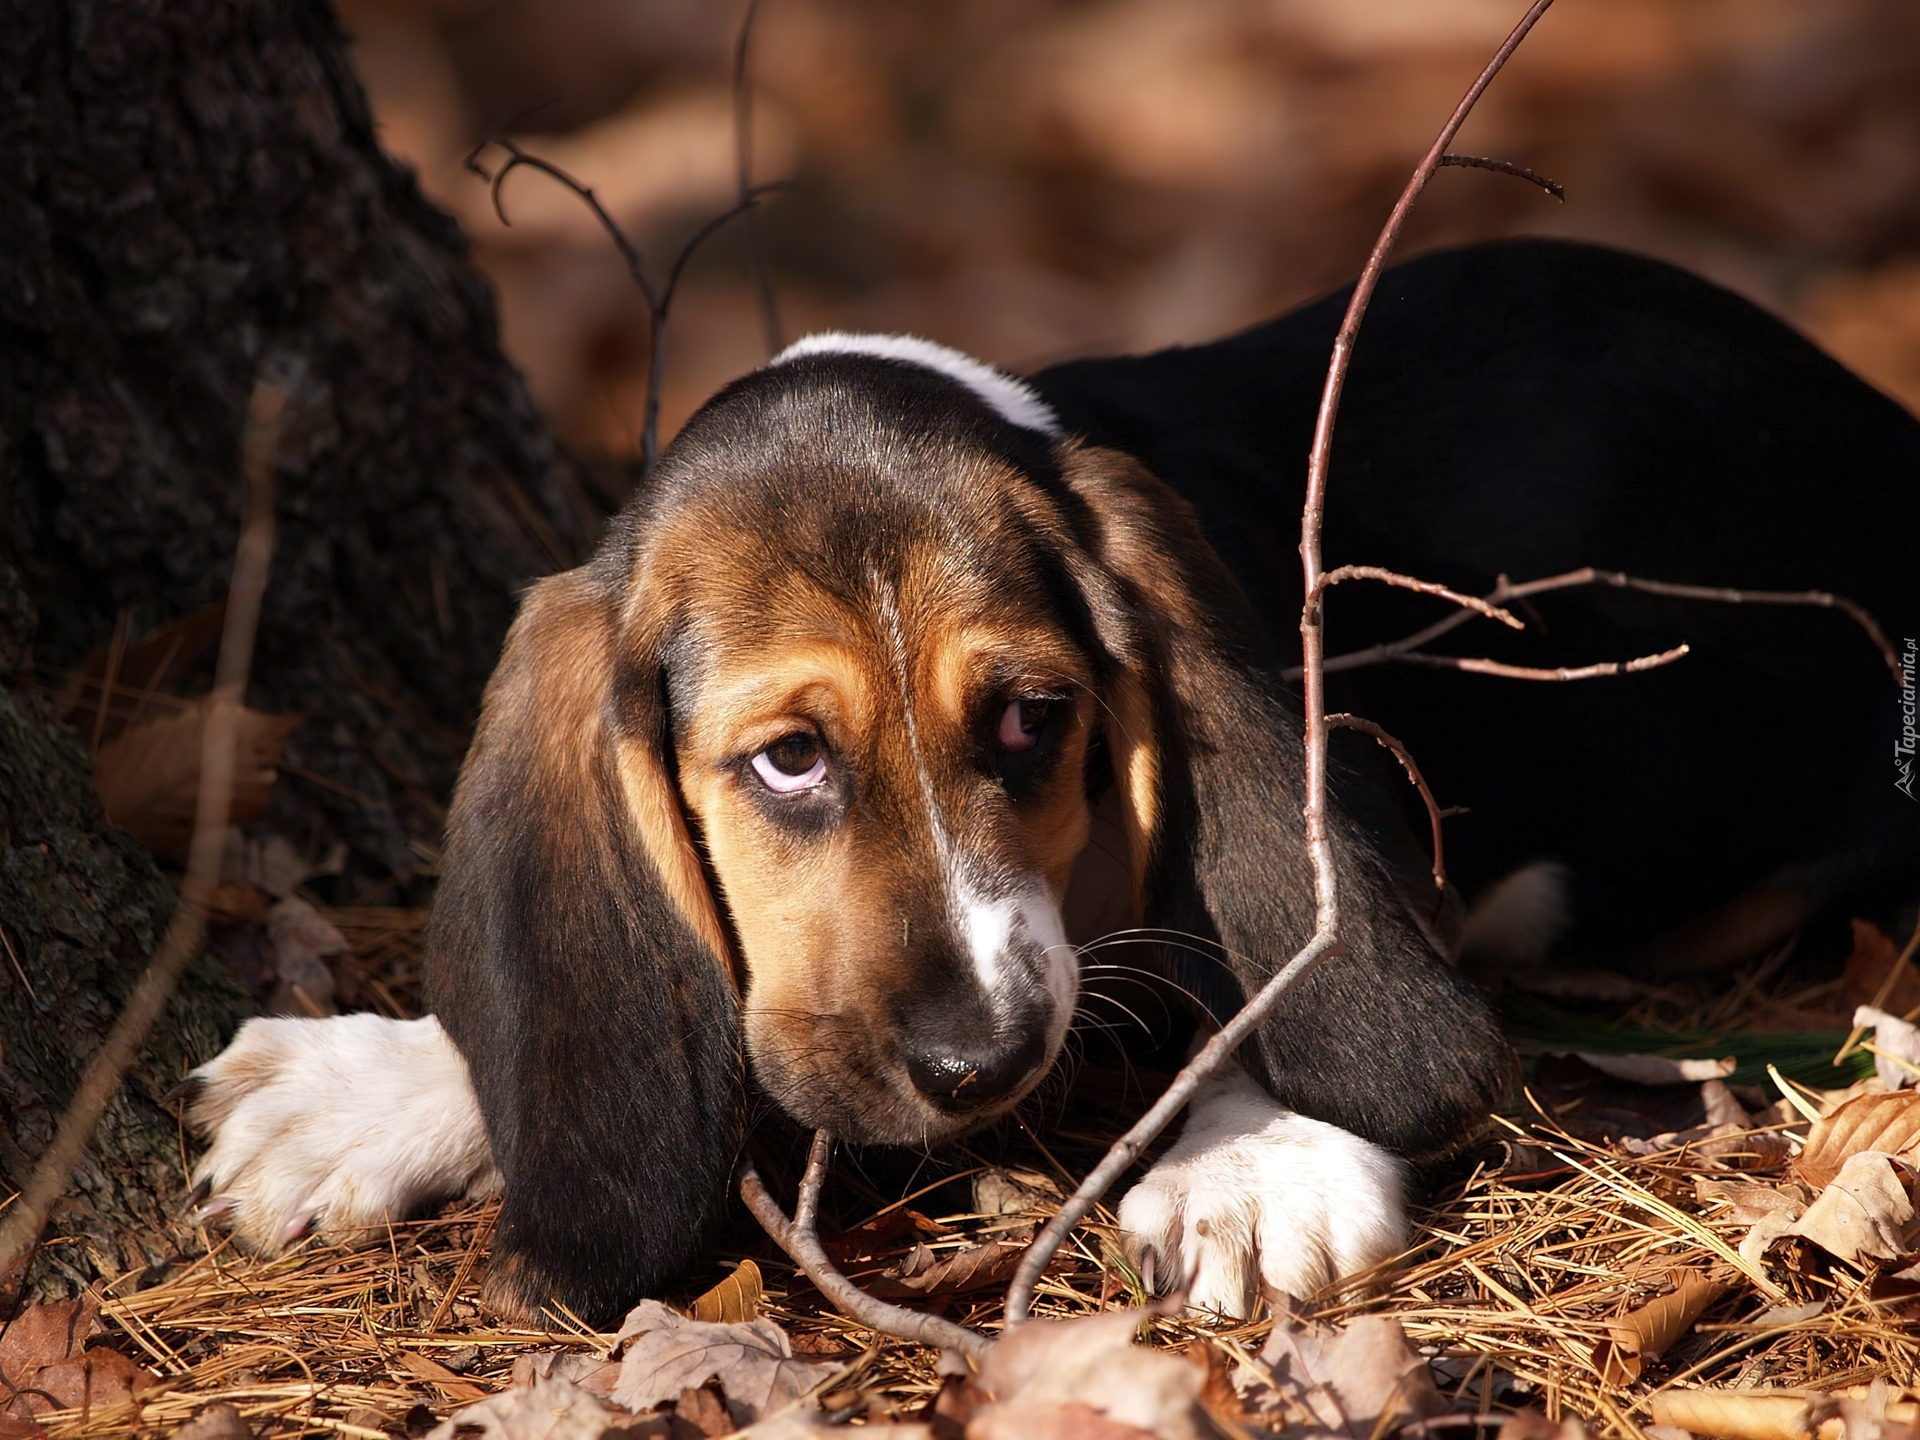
1407 582
1507 167
743 181
1530 672
659 298
20 1227
1324 941
1394 650
1434 813
800 1238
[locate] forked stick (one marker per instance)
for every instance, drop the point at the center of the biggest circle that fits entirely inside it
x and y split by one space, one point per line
800 1238
1401 651
1326 899
20 1227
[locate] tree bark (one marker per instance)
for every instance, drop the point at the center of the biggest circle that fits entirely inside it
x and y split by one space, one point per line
191 197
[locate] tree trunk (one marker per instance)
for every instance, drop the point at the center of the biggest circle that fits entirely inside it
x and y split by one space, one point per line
192 197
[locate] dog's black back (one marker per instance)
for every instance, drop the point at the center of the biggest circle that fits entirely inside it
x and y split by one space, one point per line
1528 408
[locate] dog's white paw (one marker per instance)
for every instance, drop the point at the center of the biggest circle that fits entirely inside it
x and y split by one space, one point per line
1255 1194
336 1125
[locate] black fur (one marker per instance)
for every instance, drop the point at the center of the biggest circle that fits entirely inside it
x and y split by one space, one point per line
1530 407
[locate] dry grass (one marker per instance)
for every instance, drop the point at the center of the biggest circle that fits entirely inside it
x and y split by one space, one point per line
1517 1268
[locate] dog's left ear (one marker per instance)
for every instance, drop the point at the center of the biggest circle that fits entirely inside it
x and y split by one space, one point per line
578 960
1385 1040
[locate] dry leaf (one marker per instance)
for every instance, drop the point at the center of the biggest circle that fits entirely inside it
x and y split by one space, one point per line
1217 1395
734 1300
924 1274
45 1366
549 1409
1865 1211
1361 1380
1642 1334
1044 1375
1734 1414
1888 1123
663 1353
148 776
1867 968
1894 1041
455 1387
1752 1202
303 942
1534 1425
1659 1069
594 1375
1012 1192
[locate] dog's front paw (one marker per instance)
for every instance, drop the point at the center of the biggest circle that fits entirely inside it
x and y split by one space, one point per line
334 1124
1254 1194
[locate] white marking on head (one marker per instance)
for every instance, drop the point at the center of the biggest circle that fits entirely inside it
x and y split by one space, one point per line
988 926
1013 400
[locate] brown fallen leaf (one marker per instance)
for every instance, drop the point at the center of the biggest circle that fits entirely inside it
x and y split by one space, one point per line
1734 1414
925 1274
455 1387
1869 967
663 1353
1866 1211
1643 1334
590 1373
303 942
1361 1380
1751 1202
883 1238
1217 1395
148 776
1889 1123
548 1409
1043 1376
735 1300
45 1365
1013 1192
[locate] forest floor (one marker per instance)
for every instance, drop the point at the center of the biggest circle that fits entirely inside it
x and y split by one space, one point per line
1595 1198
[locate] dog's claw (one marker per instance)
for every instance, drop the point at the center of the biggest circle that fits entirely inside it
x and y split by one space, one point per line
185 1090
197 1196
296 1228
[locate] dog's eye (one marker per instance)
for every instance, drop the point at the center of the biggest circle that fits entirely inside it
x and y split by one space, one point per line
1021 723
791 763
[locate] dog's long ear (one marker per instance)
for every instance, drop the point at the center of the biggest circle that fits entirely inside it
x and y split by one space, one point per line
1386 1040
577 959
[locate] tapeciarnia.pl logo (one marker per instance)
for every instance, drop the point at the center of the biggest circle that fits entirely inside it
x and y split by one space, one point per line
1903 748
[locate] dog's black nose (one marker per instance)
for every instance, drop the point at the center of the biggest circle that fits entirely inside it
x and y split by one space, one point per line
966 1077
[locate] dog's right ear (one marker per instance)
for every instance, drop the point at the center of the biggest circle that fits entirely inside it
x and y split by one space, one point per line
1206 754
578 960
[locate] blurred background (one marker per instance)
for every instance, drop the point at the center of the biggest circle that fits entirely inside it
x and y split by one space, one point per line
1036 179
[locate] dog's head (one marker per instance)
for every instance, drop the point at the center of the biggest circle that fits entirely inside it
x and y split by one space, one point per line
857 697
806 758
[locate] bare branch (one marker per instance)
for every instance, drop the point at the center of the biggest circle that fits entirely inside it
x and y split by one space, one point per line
1529 672
21 1225
1407 582
1507 167
743 175
1397 650
659 300
1324 941
1434 813
800 1238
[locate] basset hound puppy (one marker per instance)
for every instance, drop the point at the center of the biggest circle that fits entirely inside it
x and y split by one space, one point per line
900 680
